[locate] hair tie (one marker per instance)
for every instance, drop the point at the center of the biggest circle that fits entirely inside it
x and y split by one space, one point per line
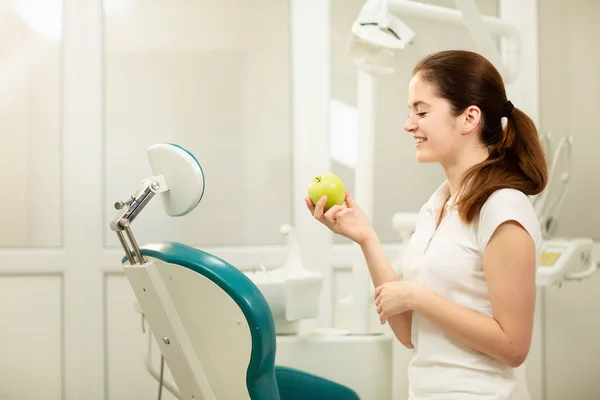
508 107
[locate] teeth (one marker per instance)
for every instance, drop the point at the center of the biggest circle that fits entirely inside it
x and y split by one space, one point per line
420 140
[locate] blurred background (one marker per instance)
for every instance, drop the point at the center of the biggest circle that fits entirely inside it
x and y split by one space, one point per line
86 86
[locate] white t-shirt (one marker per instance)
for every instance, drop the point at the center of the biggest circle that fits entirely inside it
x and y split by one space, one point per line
449 261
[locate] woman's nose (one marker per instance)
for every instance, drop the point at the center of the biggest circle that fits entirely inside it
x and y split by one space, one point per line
410 125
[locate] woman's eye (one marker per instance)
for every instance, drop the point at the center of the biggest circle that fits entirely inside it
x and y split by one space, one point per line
422 114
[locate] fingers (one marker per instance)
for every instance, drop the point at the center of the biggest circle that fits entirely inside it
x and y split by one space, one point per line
318 211
349 200
332 214
310 205
345 211
379 304
382 316
328 217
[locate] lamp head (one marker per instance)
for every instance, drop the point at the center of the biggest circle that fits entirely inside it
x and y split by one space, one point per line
376 37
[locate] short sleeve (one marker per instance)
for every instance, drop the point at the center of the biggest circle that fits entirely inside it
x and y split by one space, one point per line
507 205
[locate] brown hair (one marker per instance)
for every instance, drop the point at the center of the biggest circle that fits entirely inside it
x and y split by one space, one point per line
517 158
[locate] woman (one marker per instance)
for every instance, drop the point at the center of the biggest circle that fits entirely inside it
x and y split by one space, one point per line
467 298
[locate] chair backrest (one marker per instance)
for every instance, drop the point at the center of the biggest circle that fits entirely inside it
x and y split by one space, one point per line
214 327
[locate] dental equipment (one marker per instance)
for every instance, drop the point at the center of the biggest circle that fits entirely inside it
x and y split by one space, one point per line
378 34
291 291
214 327
562 259
548 211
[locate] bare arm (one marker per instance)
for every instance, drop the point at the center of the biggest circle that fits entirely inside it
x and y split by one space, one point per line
510 265
381 272
352 223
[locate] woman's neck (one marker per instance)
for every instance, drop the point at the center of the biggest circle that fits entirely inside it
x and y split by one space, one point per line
455 171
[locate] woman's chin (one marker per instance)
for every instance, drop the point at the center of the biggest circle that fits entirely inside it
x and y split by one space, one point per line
424 157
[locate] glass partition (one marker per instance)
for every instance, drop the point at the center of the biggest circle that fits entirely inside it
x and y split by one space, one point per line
30 124
213 77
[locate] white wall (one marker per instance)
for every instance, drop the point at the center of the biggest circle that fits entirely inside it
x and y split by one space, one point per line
31 314
30 213
29 136
570 104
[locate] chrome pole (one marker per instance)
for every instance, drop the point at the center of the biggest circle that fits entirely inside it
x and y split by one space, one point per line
125 247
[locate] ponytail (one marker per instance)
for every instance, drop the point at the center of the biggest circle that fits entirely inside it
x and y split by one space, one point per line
517 161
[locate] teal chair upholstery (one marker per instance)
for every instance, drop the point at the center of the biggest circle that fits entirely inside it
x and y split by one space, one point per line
264 380
298 385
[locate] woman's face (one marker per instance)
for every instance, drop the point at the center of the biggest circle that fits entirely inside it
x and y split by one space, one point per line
439 136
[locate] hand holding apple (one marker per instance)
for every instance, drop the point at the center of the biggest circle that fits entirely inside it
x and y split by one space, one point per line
348 219
329 185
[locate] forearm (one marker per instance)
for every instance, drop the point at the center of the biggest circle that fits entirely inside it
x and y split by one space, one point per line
380 268
381 271
471 328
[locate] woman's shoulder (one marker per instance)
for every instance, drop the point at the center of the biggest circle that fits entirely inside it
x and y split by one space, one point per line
508 198
506 205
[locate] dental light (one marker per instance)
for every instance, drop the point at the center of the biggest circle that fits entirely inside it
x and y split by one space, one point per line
378 34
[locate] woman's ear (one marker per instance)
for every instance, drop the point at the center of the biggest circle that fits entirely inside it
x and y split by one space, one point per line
472 118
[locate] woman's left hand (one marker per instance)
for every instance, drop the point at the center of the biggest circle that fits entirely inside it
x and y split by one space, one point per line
393 298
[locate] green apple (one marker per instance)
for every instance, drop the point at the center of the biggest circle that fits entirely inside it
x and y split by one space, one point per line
329 185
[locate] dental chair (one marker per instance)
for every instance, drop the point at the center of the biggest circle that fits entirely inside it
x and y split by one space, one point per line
212 324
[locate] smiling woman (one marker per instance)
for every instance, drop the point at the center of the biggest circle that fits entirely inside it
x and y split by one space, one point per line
470 266
467 298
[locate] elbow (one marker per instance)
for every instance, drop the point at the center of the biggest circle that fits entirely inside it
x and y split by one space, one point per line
515 362
516 357
401 326
405 340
